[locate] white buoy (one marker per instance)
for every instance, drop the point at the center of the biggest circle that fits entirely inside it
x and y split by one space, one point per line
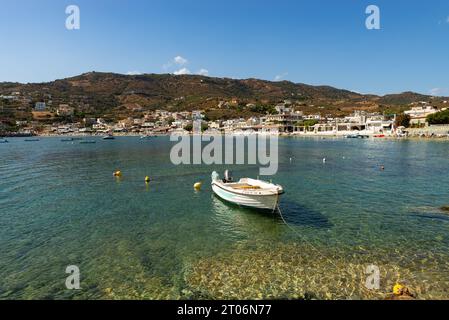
324 160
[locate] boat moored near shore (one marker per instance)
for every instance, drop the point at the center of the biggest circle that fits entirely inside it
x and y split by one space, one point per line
109 137
357 136
247 192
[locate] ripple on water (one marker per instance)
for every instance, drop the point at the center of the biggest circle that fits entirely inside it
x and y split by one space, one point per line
60 205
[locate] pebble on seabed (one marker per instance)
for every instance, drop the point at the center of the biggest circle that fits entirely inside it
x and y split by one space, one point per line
289 272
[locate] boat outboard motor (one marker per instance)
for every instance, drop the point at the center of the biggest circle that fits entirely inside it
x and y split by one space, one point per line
215 176
227 176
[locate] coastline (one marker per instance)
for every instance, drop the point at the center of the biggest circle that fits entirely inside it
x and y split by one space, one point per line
283 135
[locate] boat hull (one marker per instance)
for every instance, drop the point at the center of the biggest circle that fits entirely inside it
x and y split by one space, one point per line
265 202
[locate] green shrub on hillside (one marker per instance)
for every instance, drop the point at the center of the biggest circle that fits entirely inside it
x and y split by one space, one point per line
441 117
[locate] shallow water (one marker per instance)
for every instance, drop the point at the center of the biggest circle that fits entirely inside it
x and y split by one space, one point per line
60 206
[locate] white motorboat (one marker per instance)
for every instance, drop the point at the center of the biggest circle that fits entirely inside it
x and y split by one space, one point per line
109 137
247 192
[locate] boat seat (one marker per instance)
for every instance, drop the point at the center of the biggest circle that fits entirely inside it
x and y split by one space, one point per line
246 187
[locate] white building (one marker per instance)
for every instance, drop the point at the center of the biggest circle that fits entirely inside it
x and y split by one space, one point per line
287 122
378 124
214 125
197 115
312 117
21 123
40 106
64 129
148 125
282 109
8 97
418 115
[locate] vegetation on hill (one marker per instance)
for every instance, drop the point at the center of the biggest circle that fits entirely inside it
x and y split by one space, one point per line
404 98
403 120
441 117
116 96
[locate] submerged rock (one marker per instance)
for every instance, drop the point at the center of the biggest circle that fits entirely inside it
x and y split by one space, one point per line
286 272
445 208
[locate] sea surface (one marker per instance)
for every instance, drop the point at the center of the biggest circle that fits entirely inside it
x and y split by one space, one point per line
340 223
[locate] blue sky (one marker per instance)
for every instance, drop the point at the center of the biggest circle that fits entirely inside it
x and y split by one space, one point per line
314 42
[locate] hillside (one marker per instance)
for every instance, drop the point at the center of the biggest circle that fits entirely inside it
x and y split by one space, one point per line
119 95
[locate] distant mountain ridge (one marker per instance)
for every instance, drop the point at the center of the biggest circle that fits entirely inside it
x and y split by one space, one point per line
111 92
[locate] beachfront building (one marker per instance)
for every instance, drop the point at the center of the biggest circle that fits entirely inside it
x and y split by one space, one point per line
363 121
84 130
356 121
253 121
378 124
359 121
148 125
214 125
64 129
230 124
312 117
100 126
287 121
418 115
272 130
320 128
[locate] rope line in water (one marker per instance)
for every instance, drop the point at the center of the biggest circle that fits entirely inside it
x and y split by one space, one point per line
278 208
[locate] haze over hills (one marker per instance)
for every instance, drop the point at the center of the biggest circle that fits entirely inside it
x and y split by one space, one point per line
119 95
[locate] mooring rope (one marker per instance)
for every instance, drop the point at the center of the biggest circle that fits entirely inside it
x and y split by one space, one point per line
278 208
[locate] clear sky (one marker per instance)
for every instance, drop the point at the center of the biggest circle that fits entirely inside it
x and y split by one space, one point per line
314 42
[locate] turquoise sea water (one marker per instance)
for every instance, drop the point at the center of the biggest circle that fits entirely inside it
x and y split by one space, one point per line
60 206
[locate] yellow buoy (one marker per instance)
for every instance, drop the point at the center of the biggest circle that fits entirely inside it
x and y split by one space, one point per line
147 179
117 173
197 186
398 289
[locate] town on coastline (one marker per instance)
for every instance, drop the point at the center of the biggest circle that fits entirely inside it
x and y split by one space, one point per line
420 120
